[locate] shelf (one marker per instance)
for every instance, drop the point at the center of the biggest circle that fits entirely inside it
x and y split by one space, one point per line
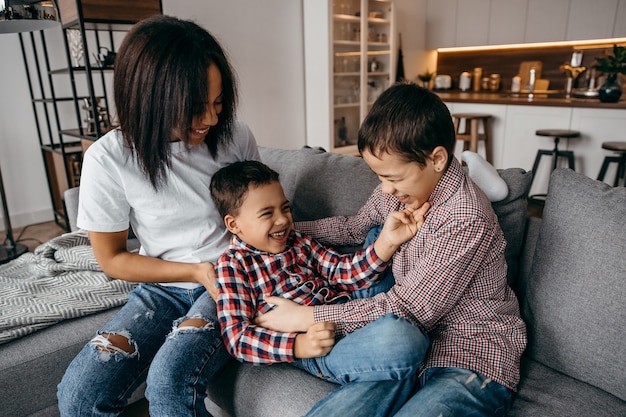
357 33
81 69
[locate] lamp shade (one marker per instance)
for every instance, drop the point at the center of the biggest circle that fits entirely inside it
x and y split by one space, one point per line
27 16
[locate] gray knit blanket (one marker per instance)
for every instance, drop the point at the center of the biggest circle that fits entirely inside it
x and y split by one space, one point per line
60 280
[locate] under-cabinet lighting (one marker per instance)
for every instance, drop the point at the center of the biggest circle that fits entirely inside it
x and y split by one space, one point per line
590 43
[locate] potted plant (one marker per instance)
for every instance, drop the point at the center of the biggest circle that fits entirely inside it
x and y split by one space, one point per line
611 65
425 78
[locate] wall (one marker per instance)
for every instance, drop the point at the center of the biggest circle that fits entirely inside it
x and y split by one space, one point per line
265 42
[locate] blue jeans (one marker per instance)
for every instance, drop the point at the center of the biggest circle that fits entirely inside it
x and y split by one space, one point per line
390 348
445 392
177 363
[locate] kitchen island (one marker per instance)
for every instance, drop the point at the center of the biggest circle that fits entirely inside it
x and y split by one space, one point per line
517 117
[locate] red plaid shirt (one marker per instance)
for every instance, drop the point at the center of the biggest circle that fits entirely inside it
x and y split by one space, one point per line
450 279
306 273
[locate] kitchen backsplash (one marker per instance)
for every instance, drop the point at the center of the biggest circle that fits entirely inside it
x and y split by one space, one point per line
506 62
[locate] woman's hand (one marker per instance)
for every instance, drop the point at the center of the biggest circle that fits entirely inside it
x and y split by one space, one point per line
205 275
287 316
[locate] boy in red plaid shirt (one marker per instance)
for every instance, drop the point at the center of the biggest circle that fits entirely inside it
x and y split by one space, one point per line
268 257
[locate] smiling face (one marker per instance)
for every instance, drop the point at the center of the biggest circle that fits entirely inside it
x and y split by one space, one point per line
264 219
408 181
201 124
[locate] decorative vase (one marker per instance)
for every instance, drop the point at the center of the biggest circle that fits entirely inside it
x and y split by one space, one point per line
610 91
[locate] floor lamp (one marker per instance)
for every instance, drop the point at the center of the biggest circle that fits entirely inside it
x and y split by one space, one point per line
21 16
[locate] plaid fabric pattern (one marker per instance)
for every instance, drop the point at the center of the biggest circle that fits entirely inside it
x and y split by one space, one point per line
306 273
450 279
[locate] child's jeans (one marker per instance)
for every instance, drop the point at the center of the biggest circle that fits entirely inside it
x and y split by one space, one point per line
178 363
390 348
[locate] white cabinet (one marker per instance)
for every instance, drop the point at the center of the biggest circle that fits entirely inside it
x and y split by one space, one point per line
546 20
619 30
453 23
497 128
350 58
441 17
596 126
472 23
591 19
507 21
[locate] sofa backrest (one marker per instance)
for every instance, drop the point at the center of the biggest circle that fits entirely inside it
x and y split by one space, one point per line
321 184
574 296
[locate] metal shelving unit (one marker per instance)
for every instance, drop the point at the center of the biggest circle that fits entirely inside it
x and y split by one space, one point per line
71 116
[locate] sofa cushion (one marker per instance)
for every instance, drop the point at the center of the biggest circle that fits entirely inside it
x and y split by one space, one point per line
244 390
574 297
546 392
511 214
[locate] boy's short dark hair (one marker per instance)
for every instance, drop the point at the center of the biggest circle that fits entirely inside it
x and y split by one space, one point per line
409 120
230 184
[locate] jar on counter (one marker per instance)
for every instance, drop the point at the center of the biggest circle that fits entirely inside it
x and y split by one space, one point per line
516 84
465 81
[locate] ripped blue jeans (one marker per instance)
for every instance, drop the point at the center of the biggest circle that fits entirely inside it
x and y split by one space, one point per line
177 363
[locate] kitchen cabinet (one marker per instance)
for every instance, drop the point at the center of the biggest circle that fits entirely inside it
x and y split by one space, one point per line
457 23
472 27
497 128
350 58
72 102
507 21
521 144
591 20
546 20
596 126
619 30
441 18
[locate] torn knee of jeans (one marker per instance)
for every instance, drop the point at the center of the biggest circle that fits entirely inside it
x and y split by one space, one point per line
115 343
186 324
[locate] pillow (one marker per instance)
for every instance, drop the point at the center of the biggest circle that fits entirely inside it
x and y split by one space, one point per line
574 300
511 214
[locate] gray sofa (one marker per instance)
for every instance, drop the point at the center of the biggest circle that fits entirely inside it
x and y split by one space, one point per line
568 270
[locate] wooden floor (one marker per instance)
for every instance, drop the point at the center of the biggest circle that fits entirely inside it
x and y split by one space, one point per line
35 234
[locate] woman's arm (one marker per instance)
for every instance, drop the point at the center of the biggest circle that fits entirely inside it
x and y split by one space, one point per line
117 262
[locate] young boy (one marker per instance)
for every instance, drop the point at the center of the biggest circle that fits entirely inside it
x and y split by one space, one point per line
268 257
449 280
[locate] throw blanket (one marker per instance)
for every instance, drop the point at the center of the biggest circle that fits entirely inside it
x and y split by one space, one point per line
61 280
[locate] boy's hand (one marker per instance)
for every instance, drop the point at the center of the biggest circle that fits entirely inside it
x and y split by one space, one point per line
317 341
399 227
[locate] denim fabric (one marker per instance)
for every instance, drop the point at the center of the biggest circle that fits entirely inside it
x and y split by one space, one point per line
443 392
448 392
386 281
176 362
389 348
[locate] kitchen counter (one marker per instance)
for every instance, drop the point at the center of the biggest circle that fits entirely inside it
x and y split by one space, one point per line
554 100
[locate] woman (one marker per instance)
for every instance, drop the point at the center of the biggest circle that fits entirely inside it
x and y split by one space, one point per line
175 95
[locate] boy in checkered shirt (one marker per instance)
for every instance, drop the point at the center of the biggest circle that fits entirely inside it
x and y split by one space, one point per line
268 257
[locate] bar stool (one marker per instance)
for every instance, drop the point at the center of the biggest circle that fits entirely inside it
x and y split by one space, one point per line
470 135
555 153
620 148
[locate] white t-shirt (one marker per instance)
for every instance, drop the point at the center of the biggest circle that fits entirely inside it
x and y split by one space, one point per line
177 223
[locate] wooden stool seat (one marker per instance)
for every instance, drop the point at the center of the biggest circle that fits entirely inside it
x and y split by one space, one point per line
470 134
620 160
555 154
559 133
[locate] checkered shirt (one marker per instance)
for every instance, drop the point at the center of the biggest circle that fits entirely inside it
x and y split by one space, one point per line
450 279
306 273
